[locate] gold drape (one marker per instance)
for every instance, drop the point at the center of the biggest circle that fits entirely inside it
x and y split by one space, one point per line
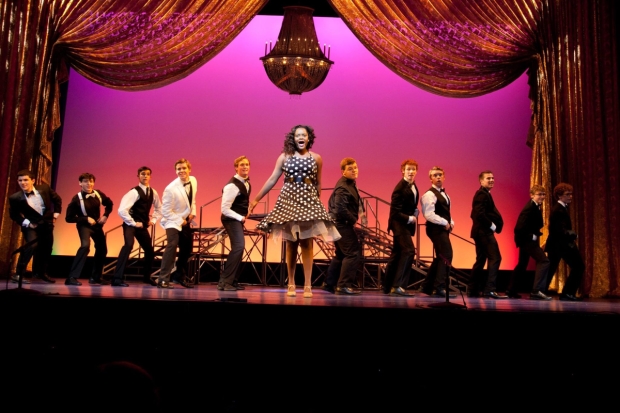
464 48
457 48
123 44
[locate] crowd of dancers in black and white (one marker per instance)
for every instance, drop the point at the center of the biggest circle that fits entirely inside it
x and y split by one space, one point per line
297 218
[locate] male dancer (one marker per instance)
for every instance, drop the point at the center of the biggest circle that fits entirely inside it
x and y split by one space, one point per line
527 238
85 211
178 210
345 207
35 208
134 211
436 205
402 222
561 243
235 203
486 222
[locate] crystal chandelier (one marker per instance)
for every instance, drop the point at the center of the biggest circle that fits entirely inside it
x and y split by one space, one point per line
296 63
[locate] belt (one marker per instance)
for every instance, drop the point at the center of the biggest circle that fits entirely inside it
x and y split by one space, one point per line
300 179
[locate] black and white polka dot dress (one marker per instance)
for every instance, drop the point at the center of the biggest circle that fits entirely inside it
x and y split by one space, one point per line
298 212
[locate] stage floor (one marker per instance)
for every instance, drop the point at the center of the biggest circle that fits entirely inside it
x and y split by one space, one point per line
255 294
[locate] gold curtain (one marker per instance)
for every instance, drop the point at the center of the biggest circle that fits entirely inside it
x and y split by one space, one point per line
577 126
123 44
458 48
465 48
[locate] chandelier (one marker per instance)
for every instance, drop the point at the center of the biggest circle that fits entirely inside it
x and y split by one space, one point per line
296 63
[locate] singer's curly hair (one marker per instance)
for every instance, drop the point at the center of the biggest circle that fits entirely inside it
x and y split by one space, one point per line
289 139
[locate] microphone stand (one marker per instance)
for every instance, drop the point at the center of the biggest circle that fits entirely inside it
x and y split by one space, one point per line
447 304
19 291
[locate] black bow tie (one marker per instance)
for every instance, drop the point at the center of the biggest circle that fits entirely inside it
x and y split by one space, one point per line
186 183
442 190
247 179
29 193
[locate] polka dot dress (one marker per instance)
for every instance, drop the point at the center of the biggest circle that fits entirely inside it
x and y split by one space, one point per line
298 212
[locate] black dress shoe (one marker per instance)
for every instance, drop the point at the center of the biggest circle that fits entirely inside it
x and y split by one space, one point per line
346 291
183 282
569 297
494 295
512 294
46 278
329 288
238 287
225 287
15 279
119 283
539 295
400 291
72 281
164 284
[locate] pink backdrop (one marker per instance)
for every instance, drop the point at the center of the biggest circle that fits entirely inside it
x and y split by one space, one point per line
363 110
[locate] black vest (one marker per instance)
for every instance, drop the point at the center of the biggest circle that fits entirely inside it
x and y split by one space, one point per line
140 210
242 201
442 208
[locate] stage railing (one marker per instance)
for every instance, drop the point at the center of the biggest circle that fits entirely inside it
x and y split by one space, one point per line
376 244
135 254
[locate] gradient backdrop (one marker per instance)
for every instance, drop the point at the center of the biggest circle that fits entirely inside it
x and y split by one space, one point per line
363 110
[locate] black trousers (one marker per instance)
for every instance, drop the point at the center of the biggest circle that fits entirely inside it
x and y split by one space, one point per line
438 272
400 261
530 249
40 250
86 232
185 241
342 271
572 258
144 239
234 229
487 249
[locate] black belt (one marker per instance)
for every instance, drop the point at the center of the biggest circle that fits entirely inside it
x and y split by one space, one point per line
299 179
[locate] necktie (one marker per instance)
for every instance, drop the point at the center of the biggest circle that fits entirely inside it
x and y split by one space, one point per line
147 191
29 193
90 195
442 190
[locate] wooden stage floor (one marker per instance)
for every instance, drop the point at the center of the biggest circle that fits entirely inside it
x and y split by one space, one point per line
256 294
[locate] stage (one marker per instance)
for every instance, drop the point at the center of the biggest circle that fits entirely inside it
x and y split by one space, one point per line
370 352
207 293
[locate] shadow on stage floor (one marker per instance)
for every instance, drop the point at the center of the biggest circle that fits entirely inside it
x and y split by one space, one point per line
274 353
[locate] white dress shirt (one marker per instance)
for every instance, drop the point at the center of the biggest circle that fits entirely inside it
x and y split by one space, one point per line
228 197
428 208
131 198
